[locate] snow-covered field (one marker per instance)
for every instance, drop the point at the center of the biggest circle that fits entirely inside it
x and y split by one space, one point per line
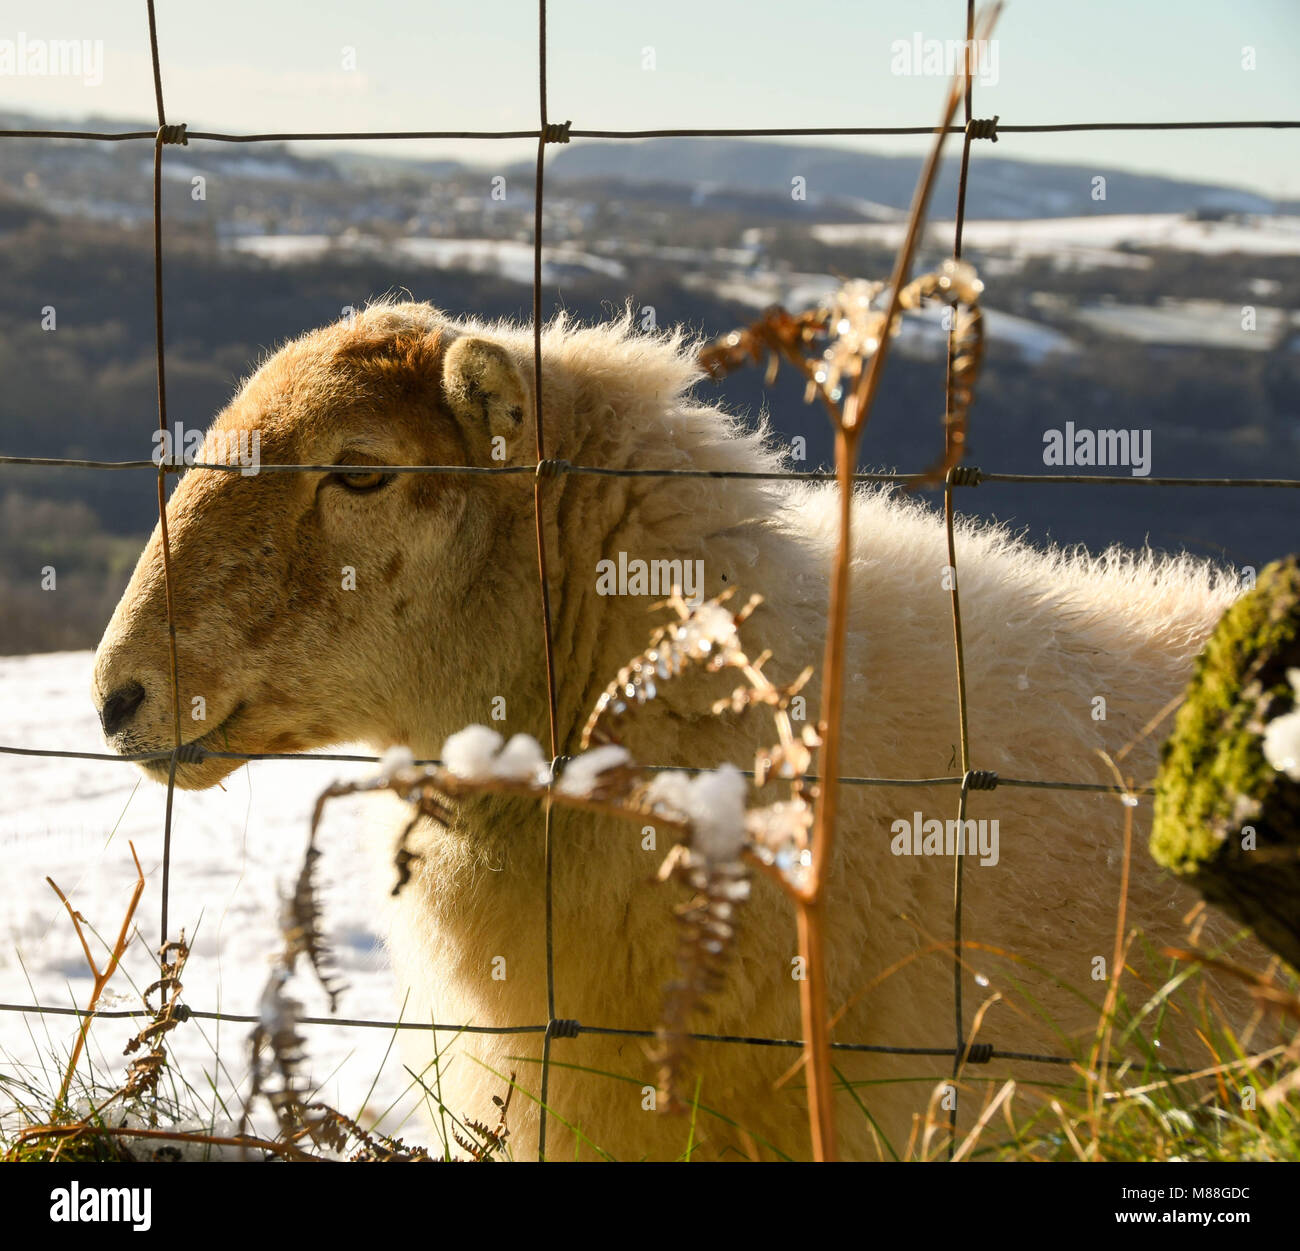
505 257
233 851
1098 240
1203 323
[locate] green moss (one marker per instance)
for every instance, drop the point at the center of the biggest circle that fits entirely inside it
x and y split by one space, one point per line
1214 778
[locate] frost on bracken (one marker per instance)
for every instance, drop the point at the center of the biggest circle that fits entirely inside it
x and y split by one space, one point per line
832 344
277 1028
585 775
719 836
477 754
310 1129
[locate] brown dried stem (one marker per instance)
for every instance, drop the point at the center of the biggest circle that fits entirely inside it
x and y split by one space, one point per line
37 1132
857 408
1100 1059
100 979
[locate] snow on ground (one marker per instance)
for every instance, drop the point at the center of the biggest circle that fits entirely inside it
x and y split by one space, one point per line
284 249
254 168
1093 240
232 852
1201 323
506 257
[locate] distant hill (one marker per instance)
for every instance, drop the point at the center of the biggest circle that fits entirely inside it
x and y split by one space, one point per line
999 187
862 184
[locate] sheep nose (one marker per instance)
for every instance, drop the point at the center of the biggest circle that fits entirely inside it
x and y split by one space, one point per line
120 707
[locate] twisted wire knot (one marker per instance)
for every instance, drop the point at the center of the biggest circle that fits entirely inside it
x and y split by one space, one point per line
965 475
556 132
981 780
551 468
190 753
563 1028
173 134
979 1053
983 128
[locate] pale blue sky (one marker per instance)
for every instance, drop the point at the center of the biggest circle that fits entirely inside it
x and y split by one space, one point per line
244 65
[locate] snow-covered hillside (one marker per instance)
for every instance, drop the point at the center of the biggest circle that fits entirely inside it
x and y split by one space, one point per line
505 257
233 850
1100 240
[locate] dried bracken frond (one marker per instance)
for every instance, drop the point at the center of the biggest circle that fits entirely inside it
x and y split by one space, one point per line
779 836
277 1027
744 697
831 345
487 1146
778 335
300 925
144 1071
790 760
332 1130
277 1031
491 1142
956 283
707 634
704 634
706 928
329 1128
603 780
381 1149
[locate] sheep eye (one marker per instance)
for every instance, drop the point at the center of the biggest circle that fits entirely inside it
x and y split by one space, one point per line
362 481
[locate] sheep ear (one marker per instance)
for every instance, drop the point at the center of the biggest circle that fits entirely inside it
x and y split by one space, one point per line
484 388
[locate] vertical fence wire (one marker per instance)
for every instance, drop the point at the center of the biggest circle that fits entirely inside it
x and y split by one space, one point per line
949 514
159 346
539 485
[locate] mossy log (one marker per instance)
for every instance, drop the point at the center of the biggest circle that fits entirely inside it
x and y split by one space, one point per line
1226 819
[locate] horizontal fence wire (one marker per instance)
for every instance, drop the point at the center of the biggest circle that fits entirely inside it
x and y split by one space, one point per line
969 476
964 476
200 754
757 1040
717 132
575 1028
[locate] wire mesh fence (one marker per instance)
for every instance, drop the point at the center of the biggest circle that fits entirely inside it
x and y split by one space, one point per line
544 471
